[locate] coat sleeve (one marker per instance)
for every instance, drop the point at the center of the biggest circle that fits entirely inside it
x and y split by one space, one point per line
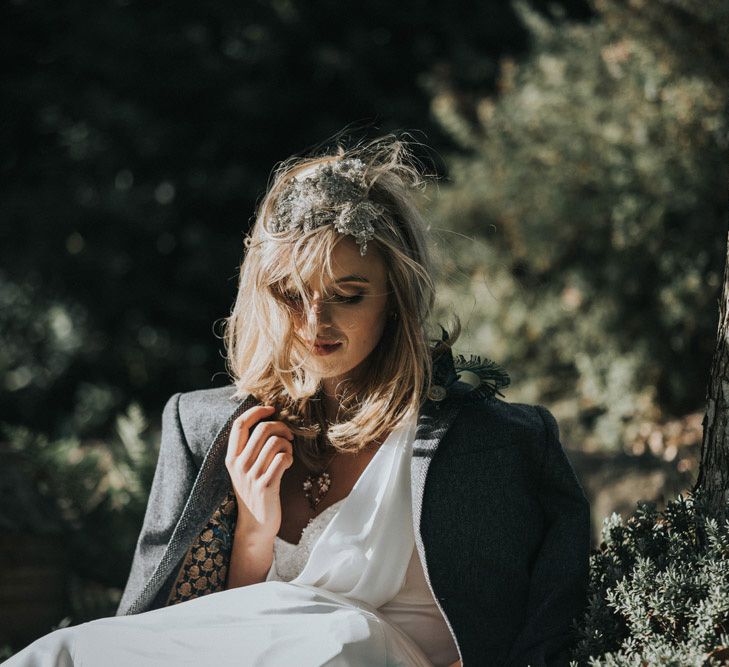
560 573
173 478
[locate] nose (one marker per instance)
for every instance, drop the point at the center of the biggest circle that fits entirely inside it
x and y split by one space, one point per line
319 308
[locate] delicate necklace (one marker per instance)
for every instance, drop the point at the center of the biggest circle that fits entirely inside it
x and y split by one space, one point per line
323 481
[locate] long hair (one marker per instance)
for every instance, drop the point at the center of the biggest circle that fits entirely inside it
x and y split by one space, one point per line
264 353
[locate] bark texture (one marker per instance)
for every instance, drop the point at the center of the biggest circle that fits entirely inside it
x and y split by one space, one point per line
713 479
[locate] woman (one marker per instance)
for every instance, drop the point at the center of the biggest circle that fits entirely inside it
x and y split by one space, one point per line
357 496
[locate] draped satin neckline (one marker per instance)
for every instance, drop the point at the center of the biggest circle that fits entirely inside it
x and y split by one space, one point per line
313 521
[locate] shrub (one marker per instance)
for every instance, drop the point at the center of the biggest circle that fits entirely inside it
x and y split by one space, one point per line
659 589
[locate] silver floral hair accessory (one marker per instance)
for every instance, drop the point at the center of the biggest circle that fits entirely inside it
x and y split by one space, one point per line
336 193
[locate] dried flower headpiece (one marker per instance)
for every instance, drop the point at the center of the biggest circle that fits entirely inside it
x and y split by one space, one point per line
336 193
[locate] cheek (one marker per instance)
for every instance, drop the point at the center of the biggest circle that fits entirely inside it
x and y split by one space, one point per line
364 327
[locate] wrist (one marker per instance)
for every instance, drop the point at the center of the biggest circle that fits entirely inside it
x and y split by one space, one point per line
251 557
251 535
253 542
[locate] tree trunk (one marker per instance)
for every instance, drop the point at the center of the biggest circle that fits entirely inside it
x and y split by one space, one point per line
713 479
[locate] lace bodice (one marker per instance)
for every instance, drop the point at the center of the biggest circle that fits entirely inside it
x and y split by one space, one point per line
289 559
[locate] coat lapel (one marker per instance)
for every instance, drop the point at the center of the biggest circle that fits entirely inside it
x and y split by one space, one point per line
210 487
445 399
212 483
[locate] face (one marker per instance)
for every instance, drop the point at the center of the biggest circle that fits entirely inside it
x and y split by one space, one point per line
351 314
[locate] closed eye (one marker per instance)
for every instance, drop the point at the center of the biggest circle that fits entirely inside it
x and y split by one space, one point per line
295 297
344 298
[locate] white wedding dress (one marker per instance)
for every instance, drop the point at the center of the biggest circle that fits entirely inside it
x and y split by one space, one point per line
318 605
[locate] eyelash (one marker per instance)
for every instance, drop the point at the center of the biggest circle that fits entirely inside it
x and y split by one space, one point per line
337 298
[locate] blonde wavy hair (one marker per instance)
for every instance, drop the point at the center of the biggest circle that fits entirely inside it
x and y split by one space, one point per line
265 355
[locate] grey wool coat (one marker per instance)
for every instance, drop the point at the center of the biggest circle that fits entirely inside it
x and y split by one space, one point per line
501 522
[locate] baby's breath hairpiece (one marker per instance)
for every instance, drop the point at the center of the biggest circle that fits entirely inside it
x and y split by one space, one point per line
336 193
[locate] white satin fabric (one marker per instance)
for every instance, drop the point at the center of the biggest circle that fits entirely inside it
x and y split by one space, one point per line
327 615
412 608
364 550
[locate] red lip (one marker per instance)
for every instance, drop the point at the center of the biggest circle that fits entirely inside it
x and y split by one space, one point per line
325 348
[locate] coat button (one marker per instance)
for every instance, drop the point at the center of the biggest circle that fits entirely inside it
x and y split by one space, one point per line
436 392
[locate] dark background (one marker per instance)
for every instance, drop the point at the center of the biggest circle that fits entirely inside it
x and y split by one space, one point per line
139 137
580 229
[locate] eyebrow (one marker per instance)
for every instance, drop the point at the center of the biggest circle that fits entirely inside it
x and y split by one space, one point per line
352 279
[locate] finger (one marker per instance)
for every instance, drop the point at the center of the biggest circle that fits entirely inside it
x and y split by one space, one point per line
281 461
258 437
241 428
242 425
271 447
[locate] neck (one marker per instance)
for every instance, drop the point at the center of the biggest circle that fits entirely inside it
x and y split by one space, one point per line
331 397
331 407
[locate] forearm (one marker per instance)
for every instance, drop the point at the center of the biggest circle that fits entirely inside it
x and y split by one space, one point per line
250 558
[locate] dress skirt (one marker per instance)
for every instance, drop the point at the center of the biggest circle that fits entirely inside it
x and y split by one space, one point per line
325 615
271 624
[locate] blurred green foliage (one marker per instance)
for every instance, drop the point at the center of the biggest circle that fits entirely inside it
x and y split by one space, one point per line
594 203
137 139
91 493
